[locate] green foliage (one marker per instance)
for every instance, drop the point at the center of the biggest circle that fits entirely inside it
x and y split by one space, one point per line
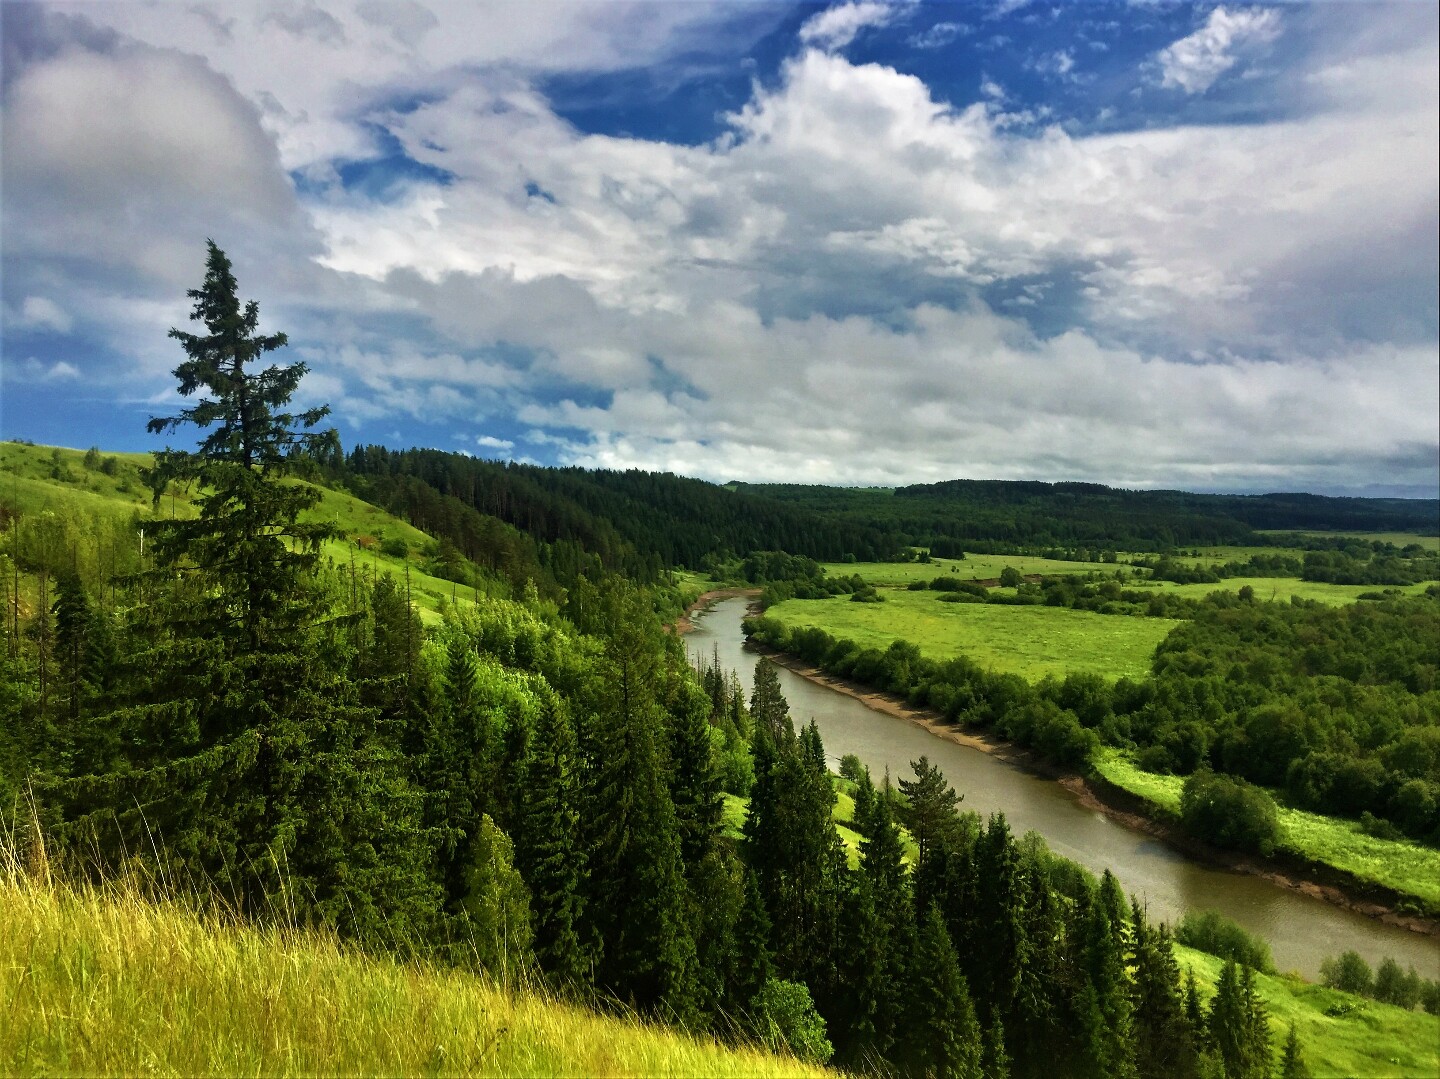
1210 931
496 906
789 1022
1229 813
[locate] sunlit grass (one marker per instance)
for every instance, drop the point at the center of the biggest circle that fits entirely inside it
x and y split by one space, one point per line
1029 641
1372 1040
108 984
978 567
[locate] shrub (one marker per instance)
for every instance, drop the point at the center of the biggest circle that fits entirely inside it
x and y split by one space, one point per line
787 1021
1349 972
1229 813
1212 932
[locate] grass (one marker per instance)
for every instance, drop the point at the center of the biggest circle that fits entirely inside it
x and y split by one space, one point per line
1399 865
103 983
1028 641
88 494
975 567
1279 588
1372 1040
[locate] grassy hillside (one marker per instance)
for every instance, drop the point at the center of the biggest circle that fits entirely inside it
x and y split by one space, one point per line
36 481
107 984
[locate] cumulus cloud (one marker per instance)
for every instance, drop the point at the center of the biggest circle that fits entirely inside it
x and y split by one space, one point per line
831 291
836 27
1193 63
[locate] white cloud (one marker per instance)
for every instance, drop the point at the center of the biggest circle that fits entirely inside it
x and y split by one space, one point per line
40 313
799 299
938 36
32 370
836 27
1193 63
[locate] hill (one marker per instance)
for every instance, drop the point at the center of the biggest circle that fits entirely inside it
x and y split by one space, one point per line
108 984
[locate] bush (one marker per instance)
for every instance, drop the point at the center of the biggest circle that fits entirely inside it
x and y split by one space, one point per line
1229 813
1349 972
1212 932
787 1021
395 547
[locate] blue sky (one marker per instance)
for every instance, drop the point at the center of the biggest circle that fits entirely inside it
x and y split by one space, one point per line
874 242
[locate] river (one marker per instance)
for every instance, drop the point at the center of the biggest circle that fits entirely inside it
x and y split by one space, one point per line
1301 930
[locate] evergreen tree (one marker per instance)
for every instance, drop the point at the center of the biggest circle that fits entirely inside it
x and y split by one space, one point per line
1292 1061
1163 1040
998 931
930 808
752 967
638 893
552 855
694 782
995 1061
943 1037
768 707
1238 1025
248 538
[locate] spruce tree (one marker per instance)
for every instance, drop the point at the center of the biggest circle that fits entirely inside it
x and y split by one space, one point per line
930 808
248 538
1292 1061
943 1036
551 856
768 707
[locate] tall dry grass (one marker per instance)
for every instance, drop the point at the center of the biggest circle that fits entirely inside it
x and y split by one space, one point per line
102 981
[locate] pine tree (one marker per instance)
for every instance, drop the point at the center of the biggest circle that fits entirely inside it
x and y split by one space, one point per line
998 932
995 1061
1292 1061
943 1036
552 856
694 782
1238 1025
930 810
1164 1043
638 893
248 538
768 707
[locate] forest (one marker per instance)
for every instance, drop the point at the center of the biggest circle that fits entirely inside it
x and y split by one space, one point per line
535 783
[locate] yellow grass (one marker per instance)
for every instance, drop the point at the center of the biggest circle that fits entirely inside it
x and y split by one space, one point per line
107 984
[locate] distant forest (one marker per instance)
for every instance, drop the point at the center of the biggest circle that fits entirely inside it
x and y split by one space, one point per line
642 523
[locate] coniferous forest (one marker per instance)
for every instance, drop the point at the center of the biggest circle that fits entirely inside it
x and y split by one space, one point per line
531 787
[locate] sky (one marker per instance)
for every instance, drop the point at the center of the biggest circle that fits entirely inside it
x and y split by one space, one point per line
871 243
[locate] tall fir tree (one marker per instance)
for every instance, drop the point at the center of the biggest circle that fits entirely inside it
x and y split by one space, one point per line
551 856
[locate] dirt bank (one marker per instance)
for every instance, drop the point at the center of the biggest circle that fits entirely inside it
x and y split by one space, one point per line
1320 881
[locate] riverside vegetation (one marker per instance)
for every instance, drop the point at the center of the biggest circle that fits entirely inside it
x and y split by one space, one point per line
221 702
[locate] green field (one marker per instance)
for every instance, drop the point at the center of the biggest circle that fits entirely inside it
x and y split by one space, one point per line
1279 589
1028 641
975 567
1373 1039
107 984
1408 868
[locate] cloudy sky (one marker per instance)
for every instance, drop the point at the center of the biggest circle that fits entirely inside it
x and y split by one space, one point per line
875 242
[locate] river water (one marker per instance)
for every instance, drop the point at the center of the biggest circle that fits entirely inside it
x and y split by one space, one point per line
1301 930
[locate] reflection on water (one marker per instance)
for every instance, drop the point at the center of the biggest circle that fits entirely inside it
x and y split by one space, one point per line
1302 931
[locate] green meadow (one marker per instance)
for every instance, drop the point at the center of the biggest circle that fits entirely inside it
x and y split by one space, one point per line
1408 868
1279 589
1031 641
976 567
44 479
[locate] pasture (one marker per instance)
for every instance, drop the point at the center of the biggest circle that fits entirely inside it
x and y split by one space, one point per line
1029 641
973 567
